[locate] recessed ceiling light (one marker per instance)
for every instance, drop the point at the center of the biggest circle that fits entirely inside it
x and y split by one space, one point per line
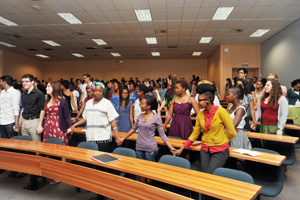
155 53
205 39
100 41
77 55
151 40
69 18
196 53
42 55
259 32
143 15
222 13
7 44
52 43
116 54
7 22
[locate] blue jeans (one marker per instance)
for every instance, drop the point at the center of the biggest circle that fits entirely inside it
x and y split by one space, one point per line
146 155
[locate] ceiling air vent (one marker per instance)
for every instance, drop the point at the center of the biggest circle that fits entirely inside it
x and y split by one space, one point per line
153 47
107 48
236 30
90 48
31 49
172 47
79 34
48 49
14 36
160 32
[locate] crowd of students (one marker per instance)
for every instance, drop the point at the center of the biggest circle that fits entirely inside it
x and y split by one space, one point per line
43 110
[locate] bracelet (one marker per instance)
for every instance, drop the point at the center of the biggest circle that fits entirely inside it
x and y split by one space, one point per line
17 123
114 128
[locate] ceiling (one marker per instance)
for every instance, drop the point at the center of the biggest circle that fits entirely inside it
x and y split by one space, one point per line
114 21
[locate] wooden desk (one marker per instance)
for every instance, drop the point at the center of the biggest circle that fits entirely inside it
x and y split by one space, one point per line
111 185
203 183
266 158
287 126
272 137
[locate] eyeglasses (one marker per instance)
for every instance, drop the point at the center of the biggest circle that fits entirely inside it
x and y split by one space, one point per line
201 100
26 81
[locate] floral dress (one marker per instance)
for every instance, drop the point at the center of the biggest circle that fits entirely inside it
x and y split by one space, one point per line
51 126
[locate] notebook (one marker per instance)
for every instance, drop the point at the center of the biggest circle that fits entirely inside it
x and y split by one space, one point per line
248 152
105 158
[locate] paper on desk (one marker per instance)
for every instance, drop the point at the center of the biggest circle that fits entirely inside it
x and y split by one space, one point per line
248 152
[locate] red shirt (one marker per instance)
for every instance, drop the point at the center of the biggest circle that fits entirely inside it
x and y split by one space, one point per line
87 98
269 114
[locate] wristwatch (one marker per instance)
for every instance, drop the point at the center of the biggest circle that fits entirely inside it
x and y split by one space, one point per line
17 123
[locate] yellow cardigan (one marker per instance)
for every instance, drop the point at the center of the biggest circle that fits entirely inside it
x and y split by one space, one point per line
217 134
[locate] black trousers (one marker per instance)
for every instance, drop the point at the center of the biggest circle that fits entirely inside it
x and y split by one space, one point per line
212 161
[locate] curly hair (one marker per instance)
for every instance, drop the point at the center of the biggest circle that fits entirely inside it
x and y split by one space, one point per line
275 93
183 83
295 82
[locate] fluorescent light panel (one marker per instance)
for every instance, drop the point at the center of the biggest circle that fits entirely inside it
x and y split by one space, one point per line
143 15
7 22
259 32
151 40
155 53
116 54
100 41
77 55
69 17
196 53
52 43
7 44
42 55
222 13
205 39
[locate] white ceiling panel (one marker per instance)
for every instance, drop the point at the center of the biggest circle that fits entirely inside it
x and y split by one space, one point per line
98 17
105 5
128 15
146 25
187 24
88 5
210 3
255 12
154 4
133 26
122 4
139 4
206 13
160 25
228 3
10 8
265 2
174 14
185 33
238 12
113 16
175 3
288 12
159 14
271 12
120 27
190 13
193 3
71 6
174 25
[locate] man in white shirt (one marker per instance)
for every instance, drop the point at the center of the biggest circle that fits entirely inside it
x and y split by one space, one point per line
9 107
87 81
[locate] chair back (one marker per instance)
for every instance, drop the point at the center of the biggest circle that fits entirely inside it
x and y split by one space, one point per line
88 145
175 161
174 137
23 137
234 174
54 141
125 152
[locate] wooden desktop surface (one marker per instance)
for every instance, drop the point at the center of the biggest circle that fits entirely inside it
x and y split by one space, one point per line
266 158
203 183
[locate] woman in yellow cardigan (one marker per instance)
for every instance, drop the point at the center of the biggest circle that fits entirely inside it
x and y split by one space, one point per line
217 128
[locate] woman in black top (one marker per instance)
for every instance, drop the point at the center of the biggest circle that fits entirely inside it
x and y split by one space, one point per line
68 95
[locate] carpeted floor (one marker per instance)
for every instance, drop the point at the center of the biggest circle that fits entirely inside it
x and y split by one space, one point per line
12 188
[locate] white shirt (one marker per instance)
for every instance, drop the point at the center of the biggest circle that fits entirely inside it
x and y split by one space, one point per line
75 96
232 116
98 118
83 89
9 105
137 109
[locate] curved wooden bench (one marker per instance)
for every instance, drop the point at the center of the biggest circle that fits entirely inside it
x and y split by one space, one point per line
200 182
99 182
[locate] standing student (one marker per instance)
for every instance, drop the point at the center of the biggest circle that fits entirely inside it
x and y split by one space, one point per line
58 118
90 95
76 95
100 116
68 95
125 110
147 123
170 93
141 90
33 102
272 110
293 97
217 128
9 107
132 92
181 106
242 74
115 98
274 76
237 113
87 81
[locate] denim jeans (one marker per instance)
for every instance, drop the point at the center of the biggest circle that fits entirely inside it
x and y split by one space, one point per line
146 155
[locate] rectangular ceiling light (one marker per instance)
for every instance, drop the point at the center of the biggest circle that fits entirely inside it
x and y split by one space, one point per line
143 15
196 53
222 13
100 41
7 22
151 40
205 39
42 55
259 32
52 43
7 44
69 18
77 55
116 54
155 53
